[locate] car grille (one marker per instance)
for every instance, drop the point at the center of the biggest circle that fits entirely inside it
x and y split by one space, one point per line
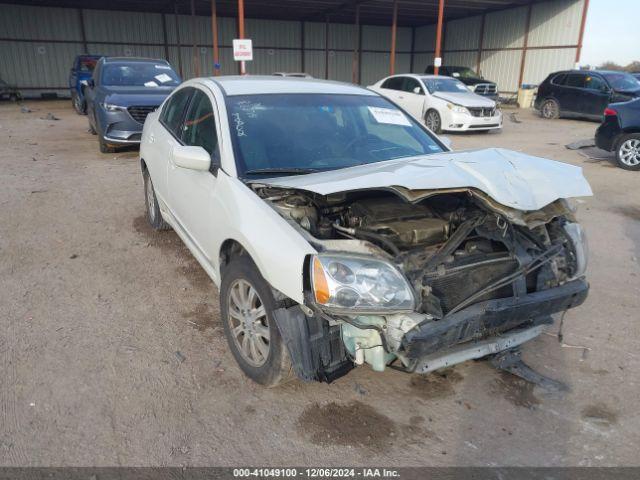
482 112
486 89
140 112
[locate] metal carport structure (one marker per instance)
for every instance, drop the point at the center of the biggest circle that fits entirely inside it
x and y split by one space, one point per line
510 41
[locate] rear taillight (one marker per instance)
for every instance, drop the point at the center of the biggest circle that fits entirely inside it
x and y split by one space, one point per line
610 112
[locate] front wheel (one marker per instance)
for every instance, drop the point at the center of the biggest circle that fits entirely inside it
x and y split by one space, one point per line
246 306
433 122
628 152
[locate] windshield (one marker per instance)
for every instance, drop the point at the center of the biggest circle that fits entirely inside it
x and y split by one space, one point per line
462 72
285 134
444 84
622 81
139 74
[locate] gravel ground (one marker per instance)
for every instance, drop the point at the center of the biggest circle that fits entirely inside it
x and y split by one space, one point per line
112 350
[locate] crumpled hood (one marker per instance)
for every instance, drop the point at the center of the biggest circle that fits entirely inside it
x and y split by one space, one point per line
127 96
466 99
513 179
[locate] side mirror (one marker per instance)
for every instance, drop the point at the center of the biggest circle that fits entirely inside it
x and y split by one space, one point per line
417 91
91 83
447 142
193 158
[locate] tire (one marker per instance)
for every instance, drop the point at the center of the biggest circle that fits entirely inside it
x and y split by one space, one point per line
154 215
251 331
550 109
628 152
104 147
80 106
433 121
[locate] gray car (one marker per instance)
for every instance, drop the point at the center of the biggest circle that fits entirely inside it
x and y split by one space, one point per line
121 93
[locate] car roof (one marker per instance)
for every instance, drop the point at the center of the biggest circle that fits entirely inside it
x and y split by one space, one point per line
133 59
266 84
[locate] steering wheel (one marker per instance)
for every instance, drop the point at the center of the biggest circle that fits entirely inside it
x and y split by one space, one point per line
358 139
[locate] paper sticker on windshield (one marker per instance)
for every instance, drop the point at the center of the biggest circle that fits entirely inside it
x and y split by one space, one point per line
163 67
389 116
150 84
163 77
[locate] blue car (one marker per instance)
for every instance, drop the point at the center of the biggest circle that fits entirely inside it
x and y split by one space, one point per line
79 76
120 95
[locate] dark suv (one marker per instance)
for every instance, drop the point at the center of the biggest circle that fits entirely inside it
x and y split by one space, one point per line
121 93
476 83
581 93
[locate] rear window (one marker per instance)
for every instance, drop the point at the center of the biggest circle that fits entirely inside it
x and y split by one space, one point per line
559 79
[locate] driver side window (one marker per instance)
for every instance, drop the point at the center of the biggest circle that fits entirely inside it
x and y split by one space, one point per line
199 126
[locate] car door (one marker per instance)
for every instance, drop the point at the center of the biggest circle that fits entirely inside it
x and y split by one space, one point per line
160 141
411 97
391 88
572 93
595 97
192 193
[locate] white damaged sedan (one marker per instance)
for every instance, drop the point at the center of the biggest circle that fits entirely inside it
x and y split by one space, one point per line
340 231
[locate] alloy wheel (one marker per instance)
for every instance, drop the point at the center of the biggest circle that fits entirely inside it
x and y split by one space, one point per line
433 121
248 323
151 201
629 152
549 110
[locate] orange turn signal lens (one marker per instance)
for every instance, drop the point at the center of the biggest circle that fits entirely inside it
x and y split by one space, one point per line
320 285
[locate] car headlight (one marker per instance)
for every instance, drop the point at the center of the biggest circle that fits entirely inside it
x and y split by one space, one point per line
359 284
457 108
578 239
110 107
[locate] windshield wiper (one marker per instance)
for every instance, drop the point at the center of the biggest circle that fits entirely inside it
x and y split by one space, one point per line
284 171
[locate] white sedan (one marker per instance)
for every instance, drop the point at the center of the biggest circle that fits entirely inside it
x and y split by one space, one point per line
443 103
341 231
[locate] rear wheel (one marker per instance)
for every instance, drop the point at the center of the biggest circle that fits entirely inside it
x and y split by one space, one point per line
247 305
432 121
79 104
628 152
550 109
154 216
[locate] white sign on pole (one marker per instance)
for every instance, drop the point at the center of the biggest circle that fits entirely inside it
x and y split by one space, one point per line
437 62
242 50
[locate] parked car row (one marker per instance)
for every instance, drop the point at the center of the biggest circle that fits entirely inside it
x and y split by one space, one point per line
611 97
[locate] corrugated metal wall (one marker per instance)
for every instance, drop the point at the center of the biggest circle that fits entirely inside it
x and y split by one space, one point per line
38 44
552 24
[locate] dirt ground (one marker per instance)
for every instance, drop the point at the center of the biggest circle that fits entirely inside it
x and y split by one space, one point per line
112 352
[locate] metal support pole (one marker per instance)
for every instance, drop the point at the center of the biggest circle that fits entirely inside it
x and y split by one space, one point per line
83 32
523 60
243 70
164 37
214 33
438 54
413 48
583 22
480 42
394 31
356 48
326 47
196 57
175 16
302 41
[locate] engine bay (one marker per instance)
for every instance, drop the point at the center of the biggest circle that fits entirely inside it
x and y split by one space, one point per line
453 248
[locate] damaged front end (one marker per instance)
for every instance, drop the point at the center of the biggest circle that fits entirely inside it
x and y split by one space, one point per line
421 280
